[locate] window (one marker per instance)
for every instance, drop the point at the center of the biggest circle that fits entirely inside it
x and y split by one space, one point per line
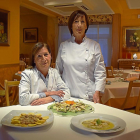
101 33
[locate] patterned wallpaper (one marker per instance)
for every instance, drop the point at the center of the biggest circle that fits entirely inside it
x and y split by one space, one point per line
93 19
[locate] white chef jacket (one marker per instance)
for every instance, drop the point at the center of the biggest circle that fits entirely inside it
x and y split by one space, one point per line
82 67
32 85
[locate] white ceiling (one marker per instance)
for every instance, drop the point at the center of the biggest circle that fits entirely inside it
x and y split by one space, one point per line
66 7
133 4
94 7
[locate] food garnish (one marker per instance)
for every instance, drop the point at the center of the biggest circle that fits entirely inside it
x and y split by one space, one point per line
70 102
98 124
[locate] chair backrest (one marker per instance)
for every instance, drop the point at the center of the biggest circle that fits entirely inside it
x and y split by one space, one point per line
22 65
53 65
2 94
15 90
109 72
16 77
132 84
1 86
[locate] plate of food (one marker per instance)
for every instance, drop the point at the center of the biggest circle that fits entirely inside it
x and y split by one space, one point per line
98 123
27 118
71 108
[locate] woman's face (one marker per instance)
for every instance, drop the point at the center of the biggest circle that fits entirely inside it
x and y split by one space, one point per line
79 26
42 59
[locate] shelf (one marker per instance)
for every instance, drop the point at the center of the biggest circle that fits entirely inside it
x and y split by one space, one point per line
131 49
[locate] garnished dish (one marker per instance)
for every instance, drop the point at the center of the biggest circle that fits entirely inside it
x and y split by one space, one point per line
70 108
27 118
98 124
31 119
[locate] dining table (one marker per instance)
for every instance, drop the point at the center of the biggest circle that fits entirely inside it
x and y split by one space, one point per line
62 128
131 73
127 73
115 93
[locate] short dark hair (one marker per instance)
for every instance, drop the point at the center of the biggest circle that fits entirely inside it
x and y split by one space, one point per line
36 48
76 14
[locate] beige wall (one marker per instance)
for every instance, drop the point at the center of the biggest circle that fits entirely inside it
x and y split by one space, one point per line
129 17
10 54
46 31
30 21
52 35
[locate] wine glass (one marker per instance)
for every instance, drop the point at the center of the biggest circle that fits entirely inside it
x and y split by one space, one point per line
120 73
133 66
115 73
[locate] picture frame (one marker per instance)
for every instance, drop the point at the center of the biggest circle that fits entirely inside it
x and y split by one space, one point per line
30 35
4 28
131 38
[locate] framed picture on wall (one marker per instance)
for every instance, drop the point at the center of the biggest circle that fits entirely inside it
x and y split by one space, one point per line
30 35
131 38
4 28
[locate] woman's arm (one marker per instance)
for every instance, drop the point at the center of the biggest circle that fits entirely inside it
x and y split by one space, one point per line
42 101
61 86
100 71
99 74
59 93
25 96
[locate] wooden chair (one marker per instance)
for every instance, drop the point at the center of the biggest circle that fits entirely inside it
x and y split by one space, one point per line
22 65
53 65
109 72
16 78
2 94
15 89
132 84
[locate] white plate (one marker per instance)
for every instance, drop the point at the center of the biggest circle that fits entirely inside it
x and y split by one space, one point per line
6 120
77 122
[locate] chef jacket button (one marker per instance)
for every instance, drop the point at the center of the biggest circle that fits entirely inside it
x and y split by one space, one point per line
86 59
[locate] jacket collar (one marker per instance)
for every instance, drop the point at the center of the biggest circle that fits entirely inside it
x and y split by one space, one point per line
73 38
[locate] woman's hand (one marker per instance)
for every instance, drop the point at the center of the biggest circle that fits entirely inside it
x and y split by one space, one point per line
96 97
59 93
42 101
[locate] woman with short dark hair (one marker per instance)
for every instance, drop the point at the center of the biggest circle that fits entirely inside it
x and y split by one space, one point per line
41 84
80 61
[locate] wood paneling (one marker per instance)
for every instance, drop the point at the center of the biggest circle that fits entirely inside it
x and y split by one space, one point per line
7 71
116 28
127 63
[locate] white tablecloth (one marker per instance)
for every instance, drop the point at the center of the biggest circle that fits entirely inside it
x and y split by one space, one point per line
131 73
128 73
61 128
117 90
